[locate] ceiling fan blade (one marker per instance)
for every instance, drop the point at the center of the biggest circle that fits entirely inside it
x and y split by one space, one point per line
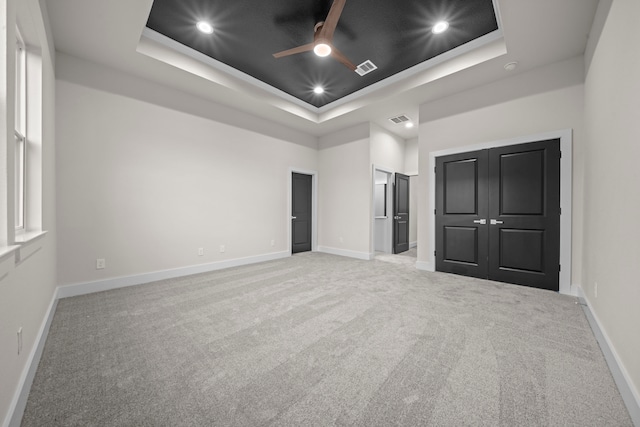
340 57
299 49
332 19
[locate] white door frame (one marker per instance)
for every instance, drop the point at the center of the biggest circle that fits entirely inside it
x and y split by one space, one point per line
314 206
565 136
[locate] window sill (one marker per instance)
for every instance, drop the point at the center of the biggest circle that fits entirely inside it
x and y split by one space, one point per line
28 237
7 250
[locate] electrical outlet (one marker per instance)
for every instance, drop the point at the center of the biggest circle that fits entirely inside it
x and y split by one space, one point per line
273 243
595 289
200 251
222 249
341 239
20 340
100 264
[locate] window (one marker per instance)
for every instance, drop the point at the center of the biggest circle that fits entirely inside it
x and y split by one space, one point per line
19 182
20 132
25 189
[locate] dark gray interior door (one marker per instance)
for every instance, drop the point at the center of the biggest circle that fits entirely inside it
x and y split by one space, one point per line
524 214
498 214
462 205
301 219
401 213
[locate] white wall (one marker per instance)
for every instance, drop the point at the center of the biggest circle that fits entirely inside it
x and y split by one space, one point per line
557 108
411 156
612 184
414 191
86 73
27 286
345 199
144 186
411 168
387 149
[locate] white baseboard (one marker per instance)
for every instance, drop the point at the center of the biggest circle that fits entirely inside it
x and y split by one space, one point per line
121 282
621 376
425 266
413 245
344 252
19 401
575 290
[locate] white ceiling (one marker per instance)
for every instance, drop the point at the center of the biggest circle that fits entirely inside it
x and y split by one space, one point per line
536 33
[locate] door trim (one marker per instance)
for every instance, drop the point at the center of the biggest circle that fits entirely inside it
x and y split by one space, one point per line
314 207
565 136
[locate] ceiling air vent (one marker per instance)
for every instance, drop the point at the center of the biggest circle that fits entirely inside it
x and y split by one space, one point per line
366 67
399 119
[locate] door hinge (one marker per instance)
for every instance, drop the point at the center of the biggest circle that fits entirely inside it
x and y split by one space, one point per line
435 212
559 267
434 253
560 211
434 169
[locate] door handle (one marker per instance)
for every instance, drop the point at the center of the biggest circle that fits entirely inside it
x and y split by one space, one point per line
294 217
396 217
495 221
480 221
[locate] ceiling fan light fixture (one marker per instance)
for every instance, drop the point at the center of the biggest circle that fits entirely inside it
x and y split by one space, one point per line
204 27
322 49
440 27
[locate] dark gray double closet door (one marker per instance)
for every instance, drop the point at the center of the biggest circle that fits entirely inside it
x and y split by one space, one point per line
498 214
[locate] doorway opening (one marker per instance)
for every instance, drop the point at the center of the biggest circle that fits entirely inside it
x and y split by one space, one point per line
383 210
392 201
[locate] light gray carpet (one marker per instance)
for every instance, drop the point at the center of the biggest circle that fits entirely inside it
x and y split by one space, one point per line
408 258
319 340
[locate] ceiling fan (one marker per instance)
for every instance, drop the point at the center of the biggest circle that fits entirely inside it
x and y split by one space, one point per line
323 37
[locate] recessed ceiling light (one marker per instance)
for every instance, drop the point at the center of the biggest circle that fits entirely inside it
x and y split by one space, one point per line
322 49
318 90
440 27
408 125
204 27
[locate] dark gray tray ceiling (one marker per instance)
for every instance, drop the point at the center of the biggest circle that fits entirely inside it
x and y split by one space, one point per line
394 35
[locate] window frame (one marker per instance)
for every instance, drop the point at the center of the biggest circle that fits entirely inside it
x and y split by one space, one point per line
20 132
